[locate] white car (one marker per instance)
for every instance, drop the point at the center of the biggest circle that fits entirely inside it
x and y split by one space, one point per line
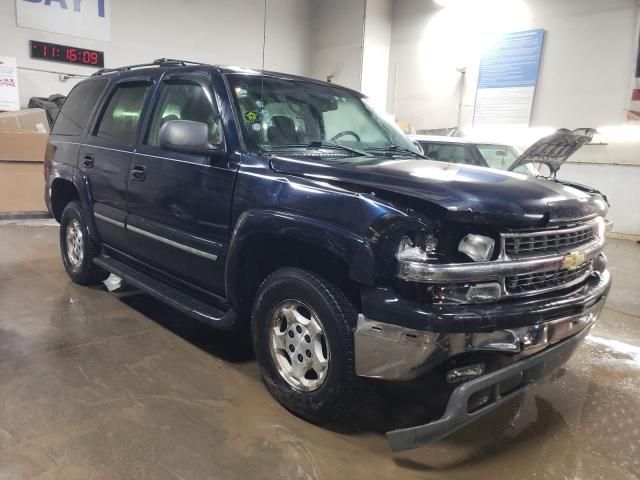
542 160
551 151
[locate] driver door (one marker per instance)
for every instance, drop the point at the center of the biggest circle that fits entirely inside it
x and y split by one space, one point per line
180 203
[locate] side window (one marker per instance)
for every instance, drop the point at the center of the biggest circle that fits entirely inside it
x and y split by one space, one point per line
184 100
74 116
119 122
447 153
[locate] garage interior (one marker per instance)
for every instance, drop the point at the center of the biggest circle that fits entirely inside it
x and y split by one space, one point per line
100 384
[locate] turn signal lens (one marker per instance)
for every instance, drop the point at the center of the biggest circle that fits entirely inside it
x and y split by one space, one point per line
456 293
602 227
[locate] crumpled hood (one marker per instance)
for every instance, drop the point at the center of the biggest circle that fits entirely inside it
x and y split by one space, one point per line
465 192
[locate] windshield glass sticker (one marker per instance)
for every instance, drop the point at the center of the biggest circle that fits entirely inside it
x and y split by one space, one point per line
251 116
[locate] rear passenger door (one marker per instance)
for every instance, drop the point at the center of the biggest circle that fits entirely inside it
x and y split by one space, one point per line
180 203
106 155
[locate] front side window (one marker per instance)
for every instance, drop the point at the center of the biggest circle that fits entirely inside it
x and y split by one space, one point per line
74 115
450 153
184 100
278 114
120 120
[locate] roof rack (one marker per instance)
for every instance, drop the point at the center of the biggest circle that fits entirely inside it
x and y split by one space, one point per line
160 62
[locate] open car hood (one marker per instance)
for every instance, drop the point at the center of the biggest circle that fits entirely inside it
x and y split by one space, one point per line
554 149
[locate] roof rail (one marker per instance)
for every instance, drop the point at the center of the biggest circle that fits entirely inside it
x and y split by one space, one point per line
160 62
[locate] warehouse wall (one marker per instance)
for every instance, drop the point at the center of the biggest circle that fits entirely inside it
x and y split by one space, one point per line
375 58
215 31
586 62
336 41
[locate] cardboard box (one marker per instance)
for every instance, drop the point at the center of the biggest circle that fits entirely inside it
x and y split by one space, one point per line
22 150
22 146
22 187
29 119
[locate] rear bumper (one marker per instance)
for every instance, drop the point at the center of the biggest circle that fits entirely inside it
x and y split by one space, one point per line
458 414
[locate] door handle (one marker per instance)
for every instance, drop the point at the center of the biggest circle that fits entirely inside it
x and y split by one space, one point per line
87 161
138 173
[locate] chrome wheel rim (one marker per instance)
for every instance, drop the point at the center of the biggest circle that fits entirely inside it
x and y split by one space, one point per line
75 252
299 347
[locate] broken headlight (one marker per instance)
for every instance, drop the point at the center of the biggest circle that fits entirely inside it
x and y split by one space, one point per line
417 247
477 247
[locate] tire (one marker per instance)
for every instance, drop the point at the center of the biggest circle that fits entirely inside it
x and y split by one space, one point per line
78 259
337 390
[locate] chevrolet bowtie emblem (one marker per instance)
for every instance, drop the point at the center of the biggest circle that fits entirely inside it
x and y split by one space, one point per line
572 260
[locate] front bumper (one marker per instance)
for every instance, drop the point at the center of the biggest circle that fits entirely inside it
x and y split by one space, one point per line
538 342
458 413
391 352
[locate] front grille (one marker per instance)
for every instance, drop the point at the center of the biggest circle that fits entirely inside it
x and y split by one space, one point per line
538 282
549 242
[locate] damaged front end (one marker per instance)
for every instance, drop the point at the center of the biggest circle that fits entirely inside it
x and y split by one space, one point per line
463 294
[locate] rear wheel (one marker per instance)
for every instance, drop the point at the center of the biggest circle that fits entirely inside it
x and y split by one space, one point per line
77 248
302 332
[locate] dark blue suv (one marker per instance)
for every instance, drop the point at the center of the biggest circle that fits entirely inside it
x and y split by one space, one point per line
284 204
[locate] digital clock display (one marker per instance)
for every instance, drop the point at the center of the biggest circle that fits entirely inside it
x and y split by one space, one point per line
66 54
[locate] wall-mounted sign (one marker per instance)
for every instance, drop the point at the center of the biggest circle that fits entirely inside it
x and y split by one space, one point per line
80 18
9 97
507 79
633 109
66 54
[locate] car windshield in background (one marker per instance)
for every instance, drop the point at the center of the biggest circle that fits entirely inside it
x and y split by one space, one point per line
447 152
291 115
502 157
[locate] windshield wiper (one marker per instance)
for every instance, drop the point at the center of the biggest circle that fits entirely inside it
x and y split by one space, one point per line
323 144
397 149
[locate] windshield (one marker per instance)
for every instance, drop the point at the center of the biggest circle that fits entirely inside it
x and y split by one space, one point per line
278 114
503 156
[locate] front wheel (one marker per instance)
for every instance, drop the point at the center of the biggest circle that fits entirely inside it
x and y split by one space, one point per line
302 328
77 248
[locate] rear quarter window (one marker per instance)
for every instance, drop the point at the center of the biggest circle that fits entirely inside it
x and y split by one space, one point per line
77 108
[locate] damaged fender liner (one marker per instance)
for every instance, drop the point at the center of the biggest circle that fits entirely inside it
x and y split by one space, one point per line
457 414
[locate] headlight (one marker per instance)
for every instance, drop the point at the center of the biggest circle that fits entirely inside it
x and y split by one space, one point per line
477 247
418 248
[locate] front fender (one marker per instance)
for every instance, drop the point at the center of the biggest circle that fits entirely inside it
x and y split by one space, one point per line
354 250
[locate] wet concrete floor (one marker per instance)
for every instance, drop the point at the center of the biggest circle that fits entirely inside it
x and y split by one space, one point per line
99 385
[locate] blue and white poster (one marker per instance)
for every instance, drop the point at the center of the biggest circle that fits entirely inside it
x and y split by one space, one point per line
507 79
80 18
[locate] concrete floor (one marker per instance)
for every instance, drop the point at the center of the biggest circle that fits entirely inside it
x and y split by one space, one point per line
99 385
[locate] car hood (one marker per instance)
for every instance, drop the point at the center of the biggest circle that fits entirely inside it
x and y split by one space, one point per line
555 149
465 193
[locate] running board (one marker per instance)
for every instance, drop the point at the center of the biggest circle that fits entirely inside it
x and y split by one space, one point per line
182 301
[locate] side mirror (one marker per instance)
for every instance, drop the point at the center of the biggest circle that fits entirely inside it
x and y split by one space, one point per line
186 136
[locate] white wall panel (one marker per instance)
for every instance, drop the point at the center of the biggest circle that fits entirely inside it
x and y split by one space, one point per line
215 31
